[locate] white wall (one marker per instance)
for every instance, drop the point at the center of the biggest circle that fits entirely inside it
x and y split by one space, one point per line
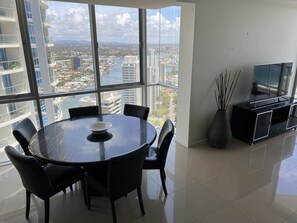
234 34
186 60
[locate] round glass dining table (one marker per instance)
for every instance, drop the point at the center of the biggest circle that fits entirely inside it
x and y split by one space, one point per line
71 142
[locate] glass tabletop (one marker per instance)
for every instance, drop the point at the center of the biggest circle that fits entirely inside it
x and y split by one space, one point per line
71 142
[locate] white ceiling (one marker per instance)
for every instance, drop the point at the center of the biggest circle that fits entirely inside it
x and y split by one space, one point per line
146 4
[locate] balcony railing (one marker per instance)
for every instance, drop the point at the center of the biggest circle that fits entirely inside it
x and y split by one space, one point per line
10 65
36 62
32 40
6 12
7 141
44 1
12 90
14 114
50 60
47 39
6 39
45 19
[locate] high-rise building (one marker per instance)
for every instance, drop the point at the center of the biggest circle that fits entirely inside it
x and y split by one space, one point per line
155 72
130 71
110 102
75 62
41 46
13 73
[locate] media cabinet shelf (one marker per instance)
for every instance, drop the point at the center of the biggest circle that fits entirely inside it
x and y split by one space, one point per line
253 124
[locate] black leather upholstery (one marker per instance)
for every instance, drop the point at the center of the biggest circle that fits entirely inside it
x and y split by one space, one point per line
83 111
23 132
136 111
124 175
157 156
45 181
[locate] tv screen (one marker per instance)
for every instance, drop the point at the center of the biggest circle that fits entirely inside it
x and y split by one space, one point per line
270 81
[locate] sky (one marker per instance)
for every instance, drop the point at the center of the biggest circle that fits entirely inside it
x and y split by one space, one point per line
70 21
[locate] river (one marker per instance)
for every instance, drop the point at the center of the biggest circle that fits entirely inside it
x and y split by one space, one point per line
113 77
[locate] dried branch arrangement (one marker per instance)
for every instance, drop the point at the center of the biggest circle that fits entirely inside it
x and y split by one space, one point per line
225 85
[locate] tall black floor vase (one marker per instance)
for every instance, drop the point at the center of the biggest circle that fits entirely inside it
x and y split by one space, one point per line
219 134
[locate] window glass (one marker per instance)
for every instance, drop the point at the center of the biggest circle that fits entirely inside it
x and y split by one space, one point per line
163 30
61 46
162 102
10 115
13 75
55 109
112 102
118 38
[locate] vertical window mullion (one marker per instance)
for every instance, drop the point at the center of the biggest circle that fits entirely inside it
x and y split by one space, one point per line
142 54
21 12
95 47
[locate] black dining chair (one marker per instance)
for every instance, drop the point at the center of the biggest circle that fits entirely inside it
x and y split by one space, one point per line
136 111
123 176
83 111
23 132
157 156
43 181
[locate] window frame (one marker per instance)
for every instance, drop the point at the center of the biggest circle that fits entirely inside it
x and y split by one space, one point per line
35 96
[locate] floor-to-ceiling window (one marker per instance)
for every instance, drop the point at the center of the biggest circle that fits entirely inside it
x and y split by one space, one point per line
85 55
163 28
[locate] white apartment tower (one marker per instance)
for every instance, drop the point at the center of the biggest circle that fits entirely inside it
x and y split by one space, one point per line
155 73
38 25
110 102
13 73
130 71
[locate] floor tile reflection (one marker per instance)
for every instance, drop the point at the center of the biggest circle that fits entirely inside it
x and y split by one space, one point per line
242 183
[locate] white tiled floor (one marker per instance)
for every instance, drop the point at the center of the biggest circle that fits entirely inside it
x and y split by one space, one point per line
239 184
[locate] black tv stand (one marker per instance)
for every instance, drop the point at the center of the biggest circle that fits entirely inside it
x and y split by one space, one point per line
251 124
262 104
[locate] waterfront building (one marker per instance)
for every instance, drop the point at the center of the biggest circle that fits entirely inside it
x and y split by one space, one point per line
13 72
75 62
13 75
111 102
155 71
130 71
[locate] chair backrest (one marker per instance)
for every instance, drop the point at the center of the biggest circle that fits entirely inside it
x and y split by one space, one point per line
125 172
164 141
83 111
23 132
31 172
136 111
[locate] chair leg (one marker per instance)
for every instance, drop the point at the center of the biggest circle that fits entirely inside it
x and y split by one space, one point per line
71 188
87 197
46 210
28 198
114 217
83 188
162 173
64 191
139 194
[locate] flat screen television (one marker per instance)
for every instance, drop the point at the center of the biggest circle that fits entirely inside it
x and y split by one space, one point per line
270 81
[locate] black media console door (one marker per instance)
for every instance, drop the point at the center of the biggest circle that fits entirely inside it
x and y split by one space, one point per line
253 124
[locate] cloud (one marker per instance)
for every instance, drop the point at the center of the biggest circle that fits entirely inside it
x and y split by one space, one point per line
124 19
168 30
72 24
114 24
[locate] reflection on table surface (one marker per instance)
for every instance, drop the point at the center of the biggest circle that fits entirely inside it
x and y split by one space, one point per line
71 142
